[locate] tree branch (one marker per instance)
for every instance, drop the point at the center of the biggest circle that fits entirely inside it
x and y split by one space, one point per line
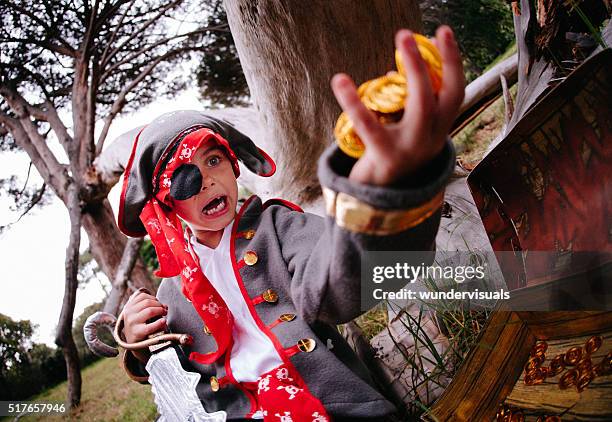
128 260
58 181
484 90
88 38
143 28
120 101
134 55
115 32
48 113
68 48
46 44
21 108
61 131
35 200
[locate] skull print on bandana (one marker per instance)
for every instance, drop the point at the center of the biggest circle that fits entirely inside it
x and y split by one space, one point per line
282 395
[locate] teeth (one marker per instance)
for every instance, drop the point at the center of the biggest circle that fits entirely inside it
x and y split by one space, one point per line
216 209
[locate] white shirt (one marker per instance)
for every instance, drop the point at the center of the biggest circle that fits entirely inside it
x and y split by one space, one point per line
253 353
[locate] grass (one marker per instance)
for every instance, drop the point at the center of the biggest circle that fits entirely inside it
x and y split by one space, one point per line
373 321
107 395
474 139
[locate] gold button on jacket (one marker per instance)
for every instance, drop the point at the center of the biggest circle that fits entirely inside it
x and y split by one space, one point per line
214 384
270 296
306 345
250 258
287 317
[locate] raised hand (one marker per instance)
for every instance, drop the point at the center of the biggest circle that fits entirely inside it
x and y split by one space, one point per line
398 150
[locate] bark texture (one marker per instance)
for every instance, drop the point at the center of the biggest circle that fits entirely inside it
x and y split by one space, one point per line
120 283
289 51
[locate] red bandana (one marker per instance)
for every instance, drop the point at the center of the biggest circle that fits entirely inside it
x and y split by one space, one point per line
171 243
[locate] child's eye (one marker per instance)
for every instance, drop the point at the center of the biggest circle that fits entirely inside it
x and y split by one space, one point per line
213 160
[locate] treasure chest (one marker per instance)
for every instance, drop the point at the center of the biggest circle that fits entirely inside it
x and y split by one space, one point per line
544 196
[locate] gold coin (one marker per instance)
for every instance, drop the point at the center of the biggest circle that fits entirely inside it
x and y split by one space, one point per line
593 344
386 94
568 379
535 377
557 365
584 366
431 57
583 381
347 139
572 356
539 348
531 365
363 87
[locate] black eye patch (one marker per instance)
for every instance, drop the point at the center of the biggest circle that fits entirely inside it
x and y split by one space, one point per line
186 182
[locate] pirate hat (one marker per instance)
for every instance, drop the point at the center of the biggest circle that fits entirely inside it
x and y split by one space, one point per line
157 139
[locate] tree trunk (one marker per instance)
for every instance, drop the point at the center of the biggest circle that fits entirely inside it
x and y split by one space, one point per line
289 51
64 337
73 369
120 282
107 244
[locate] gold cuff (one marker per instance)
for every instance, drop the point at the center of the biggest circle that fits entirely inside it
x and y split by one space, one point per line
357 216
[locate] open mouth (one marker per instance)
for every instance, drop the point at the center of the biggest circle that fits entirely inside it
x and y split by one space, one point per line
215 206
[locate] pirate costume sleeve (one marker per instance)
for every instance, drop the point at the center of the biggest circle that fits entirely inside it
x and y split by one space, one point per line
295 274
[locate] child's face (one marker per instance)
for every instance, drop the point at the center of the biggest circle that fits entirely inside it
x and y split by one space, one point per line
214 207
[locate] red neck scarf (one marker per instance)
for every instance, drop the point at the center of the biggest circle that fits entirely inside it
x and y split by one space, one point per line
171 242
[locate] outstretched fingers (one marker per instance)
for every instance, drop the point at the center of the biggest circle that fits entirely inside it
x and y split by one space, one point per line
452 91
421 101
364 121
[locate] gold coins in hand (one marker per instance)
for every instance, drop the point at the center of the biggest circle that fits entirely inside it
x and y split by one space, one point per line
386 96
348 140
431 57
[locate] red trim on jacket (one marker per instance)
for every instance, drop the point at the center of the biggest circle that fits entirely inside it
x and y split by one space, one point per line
230 376
265 329
279 201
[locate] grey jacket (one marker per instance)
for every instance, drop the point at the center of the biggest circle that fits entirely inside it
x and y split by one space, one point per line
313 265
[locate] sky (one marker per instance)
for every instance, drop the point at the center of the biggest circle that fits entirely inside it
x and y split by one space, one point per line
32 251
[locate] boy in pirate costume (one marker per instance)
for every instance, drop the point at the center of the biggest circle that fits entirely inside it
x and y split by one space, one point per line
261 290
